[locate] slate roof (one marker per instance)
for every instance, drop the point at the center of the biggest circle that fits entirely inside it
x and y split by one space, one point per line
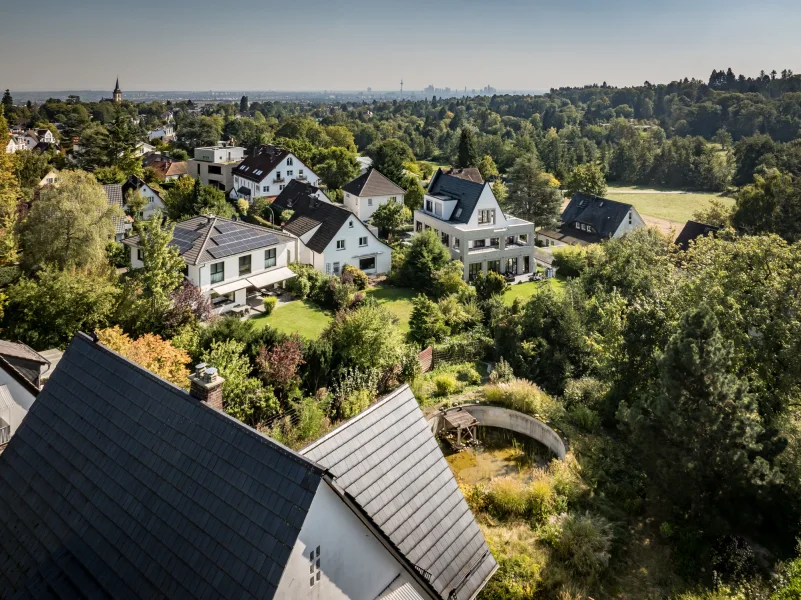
691 231
195 237
373 183
309 212
387 460
292 192
465 191
120 485
115 198
603 214
468 173
264 159
134 183
20 350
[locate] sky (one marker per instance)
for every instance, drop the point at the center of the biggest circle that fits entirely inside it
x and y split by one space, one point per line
299 45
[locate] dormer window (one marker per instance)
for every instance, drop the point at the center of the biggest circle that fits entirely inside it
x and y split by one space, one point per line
429 206
578 225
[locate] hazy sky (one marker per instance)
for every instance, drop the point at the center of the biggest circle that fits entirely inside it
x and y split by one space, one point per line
319 44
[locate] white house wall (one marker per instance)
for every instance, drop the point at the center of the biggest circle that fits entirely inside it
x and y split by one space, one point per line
351 235
23 400
487 201
353 563
268 187
360 205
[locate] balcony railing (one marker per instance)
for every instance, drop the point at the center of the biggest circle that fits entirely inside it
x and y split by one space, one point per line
278 179
5 432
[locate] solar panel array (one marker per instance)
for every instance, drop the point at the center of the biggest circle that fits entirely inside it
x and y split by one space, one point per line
241 240
227 227
184 239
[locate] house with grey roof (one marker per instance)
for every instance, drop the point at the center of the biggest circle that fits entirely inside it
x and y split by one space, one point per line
589 219
143 490
267 171
467 218
122 223
22 373
228 260
330 236
691 231
368 191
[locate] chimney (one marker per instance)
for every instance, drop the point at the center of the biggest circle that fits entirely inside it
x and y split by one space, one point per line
206 386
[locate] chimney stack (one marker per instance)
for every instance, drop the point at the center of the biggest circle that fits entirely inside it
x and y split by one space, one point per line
205 385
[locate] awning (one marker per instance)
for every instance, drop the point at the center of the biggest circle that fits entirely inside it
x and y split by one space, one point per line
270 277
227 288
371 254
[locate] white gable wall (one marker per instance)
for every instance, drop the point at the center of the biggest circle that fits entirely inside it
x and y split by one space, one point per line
351 235
154 201
23 400
267 186
364 206
487 201
354 564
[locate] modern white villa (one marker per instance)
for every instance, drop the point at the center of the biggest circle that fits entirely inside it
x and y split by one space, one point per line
229 260
470 223
214 165
368 191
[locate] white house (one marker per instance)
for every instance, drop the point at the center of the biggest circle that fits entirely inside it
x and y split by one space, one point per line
266 173
331 236
15 143
165 133
116 197
154 200
229 260
469 221
367 192
143 148
199 505
51 178
214 165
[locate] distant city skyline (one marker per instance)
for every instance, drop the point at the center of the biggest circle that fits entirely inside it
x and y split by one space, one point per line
512 45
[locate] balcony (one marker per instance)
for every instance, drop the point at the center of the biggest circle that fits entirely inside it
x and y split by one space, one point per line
301 178
278 179
5 432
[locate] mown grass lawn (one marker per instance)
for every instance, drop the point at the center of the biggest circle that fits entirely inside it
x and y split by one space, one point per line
398 301
524 291
661 205
299 316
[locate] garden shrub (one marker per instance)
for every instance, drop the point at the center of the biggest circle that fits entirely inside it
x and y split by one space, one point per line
356 276
581 542
446 384
299 287
587 391
542 501
468 374
520 563
355 402
584 418
502 372
270 302
507 497
9 275
570 261
523 396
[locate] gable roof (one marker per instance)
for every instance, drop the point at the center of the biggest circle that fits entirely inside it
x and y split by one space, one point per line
387 460
693 230
309 212
120 485
373 183
603 214
177 168
258 165
116 198
468 173
292 192
199 238
134 183
465 191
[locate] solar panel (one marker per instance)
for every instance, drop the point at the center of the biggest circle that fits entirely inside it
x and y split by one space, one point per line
236 236
184 239
227 227
243 246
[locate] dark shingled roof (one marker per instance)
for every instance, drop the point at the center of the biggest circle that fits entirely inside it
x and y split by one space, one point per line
264 159
293 191
469 173
388 461
120 485
603 214
373 183
115 198
195 237
691 231
465 191
309 212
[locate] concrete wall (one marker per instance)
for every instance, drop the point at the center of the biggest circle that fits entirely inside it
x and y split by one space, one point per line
353 563
495 416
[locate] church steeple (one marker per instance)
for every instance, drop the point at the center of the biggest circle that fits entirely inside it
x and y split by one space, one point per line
117 92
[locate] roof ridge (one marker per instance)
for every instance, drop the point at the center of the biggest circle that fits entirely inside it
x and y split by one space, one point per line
205 239
83 337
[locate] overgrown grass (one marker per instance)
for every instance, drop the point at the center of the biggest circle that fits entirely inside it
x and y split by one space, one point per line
466 376
663 205
523 396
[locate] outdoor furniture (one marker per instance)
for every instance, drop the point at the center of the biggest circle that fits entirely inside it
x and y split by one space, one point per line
241 310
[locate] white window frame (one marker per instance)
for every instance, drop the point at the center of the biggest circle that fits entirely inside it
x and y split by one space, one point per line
369 202
336 268
340 245
362 245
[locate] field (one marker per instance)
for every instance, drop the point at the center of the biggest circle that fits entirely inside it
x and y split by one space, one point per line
675 206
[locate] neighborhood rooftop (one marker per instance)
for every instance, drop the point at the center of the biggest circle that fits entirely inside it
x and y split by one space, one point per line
258 165
465 191
310 213
119 484
209 238
373 183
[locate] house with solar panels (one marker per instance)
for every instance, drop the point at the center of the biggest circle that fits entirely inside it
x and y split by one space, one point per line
229 260
119 484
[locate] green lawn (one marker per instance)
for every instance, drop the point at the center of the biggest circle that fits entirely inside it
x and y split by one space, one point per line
524 291
299 316
398 301
672 207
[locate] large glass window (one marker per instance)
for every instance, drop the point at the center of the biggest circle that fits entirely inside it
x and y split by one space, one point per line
494 265
217 272
269 258
363 241
429 206
244 265
367 264
473 269
486 217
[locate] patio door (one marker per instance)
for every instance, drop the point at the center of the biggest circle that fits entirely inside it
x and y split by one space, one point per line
511 266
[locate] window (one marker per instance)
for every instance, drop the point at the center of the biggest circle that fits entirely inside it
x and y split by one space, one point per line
429 206
456 243
511 265
473 269
288 256
244 265
288 162
215 170
495 242
327 268
367 264
363 241
140 254
486 216
340 245
300 172
265 188
438 209
418 226
458 212
494 265
217 272
522 239
369 202
629 217
393 198
578 225
314 566
280 187
350 224
290 173
479 243
269 258
336 268
445 239
278 175
510 240
198 168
